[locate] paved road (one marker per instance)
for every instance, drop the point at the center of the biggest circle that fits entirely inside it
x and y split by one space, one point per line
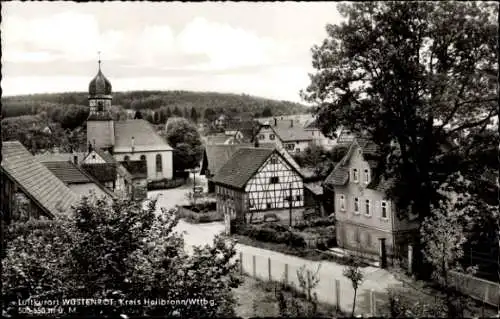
376 279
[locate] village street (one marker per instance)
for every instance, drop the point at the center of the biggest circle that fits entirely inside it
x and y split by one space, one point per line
376 279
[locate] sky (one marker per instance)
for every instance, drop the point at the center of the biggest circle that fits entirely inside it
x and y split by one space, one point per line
261 49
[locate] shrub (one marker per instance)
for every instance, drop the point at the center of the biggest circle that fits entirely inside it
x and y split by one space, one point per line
166 184
273 233
315 222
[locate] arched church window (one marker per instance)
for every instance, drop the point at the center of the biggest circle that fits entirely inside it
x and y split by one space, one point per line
100 106
143 157
158 163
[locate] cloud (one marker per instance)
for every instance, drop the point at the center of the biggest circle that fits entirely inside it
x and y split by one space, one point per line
226 46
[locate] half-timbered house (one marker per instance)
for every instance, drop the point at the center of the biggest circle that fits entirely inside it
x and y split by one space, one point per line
256 181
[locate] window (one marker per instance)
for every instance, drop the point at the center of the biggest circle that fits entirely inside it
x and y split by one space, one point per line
298 197
290 146
143 157
342 202
383 204
269 205
261 137
126 158
93 156
274 180
100 106
272 137
367 208
251 203
274 160
356 205
297 150
367 176
159 167
355 175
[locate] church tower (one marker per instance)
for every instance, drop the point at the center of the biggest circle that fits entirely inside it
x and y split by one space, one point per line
100 125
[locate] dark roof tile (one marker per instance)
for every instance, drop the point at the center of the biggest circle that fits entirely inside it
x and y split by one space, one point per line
37 180
67 172
105 172
242 166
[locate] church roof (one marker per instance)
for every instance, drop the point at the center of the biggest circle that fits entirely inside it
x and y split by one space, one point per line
36 180
99 84
144 137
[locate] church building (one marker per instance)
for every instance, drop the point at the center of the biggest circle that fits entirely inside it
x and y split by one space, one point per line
134 140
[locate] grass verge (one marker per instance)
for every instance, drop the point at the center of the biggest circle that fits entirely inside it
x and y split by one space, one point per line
306 253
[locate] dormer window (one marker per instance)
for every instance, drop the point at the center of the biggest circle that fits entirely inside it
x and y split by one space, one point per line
355 176
366 176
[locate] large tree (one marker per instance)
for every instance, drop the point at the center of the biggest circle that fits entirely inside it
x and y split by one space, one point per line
119 251
419 78
184 137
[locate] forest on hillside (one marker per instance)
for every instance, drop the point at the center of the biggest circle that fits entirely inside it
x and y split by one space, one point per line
183 101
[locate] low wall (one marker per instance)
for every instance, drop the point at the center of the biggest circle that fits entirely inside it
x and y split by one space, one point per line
477 288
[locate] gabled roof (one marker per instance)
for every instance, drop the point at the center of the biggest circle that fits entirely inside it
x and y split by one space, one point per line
138 169
67 172
217 139
340 174
289 158
59 157
215 156
292 133
242 166
104 173
39 183
145 137
106 156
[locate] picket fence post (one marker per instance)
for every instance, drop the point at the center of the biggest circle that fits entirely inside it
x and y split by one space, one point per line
372 303
269 267
253 265
286 274
337 294
241 262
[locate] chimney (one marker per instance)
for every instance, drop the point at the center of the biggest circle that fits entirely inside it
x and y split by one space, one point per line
291 123
75 159
275 122
132 143
90 147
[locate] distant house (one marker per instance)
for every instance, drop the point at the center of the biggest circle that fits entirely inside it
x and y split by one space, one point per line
286 134
29 189
221 138
258 180
220 121
242 130
139 173
78 180
214 157
318 137
364 214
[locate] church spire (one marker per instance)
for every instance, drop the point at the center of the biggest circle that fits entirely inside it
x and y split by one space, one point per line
99 54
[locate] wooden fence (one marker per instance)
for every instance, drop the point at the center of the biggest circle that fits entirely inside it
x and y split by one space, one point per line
329 290
477 288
